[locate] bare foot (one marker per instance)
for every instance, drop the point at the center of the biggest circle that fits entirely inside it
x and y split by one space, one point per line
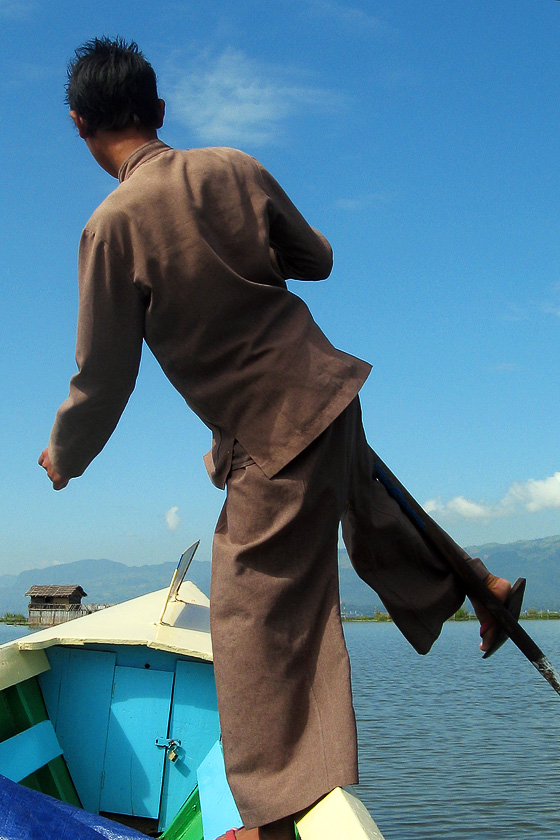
280 830
501 589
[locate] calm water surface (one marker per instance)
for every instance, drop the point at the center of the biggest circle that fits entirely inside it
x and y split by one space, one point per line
453 747
9 632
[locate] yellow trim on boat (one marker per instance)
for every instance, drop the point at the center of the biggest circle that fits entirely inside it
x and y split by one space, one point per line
185 629
339 816
17 666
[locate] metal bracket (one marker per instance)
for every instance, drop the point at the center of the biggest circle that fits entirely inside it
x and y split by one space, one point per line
167 742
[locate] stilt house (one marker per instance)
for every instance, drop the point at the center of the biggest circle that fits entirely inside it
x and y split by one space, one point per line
52 605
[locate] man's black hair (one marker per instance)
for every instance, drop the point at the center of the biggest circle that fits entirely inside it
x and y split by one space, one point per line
112 86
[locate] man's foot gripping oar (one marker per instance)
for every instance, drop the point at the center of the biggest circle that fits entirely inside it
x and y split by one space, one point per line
475 587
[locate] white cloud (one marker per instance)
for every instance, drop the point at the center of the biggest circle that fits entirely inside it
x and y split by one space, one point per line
25 73
17 9
533 496
233 99
467 509
460 506
536 495
172 519
351 17
433 506
532 310
502 367
363 201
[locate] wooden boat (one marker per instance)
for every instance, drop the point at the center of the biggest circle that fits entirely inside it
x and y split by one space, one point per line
109 727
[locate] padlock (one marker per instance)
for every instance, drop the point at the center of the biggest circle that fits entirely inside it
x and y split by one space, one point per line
172 754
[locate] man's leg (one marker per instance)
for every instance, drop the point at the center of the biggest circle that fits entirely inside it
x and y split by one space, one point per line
282 670
392 556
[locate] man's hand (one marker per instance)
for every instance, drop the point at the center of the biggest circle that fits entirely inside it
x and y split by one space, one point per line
59 482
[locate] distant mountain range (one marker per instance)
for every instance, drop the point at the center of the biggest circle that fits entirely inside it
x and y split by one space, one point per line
107 581
536 560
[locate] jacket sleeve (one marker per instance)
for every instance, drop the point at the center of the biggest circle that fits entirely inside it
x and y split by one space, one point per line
300 251
108 351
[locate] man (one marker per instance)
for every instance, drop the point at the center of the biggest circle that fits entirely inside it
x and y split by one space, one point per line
191 253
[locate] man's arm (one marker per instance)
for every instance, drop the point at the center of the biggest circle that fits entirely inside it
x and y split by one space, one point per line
301 252
108 351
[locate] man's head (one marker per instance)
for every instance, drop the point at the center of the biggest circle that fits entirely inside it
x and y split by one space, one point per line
112 87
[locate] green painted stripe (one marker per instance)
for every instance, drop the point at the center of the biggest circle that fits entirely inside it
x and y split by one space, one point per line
22 706
187 825
54 780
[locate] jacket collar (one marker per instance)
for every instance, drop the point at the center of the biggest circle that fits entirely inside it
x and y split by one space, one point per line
140 155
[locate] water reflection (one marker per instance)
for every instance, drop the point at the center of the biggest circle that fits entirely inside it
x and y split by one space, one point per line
451 747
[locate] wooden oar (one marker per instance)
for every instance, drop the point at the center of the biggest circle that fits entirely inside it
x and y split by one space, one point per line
475 588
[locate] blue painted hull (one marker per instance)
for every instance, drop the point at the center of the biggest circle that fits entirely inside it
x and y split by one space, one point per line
115 712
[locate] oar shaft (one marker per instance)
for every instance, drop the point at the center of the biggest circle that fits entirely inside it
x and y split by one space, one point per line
457 559
549 672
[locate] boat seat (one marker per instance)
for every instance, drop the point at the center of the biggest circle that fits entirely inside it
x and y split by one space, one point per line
29 750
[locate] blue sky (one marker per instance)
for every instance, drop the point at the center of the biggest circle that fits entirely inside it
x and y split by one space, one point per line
422 138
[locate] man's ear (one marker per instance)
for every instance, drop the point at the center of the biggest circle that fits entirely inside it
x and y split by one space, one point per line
161 104
80 124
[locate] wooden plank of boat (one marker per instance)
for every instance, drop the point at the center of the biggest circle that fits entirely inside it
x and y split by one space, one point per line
339 816
219 811
16 667
25 752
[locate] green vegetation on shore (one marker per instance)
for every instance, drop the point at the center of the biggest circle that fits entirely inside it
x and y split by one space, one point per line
462 614
13 618
541 614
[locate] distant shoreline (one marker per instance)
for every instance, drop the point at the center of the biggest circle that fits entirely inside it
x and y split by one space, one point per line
529 615
379 617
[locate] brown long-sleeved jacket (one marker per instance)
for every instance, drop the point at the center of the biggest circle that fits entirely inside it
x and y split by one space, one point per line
190 253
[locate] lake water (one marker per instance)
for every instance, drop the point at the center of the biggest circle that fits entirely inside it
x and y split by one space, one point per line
8 632
453 747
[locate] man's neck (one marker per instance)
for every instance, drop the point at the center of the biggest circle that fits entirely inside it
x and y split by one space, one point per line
111 148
